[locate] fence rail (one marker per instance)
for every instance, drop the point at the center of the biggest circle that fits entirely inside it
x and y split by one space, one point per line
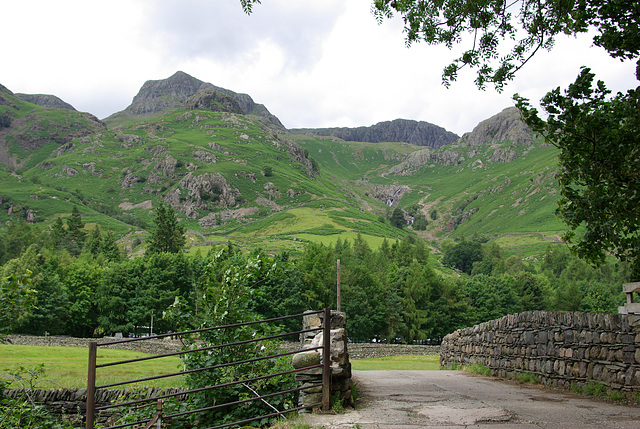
93 366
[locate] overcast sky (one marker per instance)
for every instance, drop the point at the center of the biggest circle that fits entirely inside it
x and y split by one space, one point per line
312 63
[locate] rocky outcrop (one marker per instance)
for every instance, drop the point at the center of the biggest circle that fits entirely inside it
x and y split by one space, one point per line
210 99
388 194
213 220
418 133
34 130
45 100
157 96
426 157
194 193
505 126
500 138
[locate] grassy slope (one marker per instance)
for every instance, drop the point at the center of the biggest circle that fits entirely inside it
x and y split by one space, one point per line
517 197
491 198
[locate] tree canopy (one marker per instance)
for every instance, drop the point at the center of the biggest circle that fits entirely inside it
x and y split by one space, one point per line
599 160
519 28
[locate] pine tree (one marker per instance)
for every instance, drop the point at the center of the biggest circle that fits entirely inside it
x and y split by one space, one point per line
75 233
58 233
167 235
110 248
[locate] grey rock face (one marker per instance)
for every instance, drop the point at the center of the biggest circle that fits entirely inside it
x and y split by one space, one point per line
418 133
505 126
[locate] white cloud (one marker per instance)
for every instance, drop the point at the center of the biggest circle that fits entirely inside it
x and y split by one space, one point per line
313 63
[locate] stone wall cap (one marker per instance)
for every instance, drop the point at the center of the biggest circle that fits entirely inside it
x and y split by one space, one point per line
631 287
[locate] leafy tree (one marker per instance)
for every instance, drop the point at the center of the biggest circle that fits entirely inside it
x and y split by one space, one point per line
82 280
110 248
16 302
397 218
526 26
533 290
597 298
363 301
318 266
282 292
433 214
17 238
133 290
599 181
420 222
102 244
167 235
93 243
567 296
225 293
463 255
58 233
555 260
490 297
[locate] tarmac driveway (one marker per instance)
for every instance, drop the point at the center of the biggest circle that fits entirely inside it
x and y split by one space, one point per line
455 399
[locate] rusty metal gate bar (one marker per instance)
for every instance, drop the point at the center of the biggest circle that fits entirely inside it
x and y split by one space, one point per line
326 365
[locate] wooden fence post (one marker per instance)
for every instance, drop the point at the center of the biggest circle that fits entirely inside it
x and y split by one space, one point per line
91 385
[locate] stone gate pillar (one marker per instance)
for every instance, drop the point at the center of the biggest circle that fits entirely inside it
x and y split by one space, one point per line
341 384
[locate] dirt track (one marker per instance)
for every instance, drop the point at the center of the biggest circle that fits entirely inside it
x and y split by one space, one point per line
455 399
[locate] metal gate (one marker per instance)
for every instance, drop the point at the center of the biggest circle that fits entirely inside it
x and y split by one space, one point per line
157 419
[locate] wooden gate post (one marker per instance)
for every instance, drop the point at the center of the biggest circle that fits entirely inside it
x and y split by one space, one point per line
326 352
91 384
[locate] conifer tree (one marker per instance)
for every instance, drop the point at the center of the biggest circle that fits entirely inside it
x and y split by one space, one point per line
167 235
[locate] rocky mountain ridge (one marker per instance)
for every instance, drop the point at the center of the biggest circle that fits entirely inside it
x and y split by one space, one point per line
46 100
419 133
157 96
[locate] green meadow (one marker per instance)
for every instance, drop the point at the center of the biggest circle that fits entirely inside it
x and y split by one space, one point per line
66 367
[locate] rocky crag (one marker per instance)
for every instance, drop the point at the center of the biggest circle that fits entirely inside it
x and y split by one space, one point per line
505 126
418 133
45 100
182 90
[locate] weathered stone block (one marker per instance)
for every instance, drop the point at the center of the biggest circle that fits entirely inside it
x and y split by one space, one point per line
314 389
305 359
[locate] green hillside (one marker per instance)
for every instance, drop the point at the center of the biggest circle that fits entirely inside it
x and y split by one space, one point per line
236 177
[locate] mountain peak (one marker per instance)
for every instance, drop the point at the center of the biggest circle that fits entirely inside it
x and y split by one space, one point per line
504 126
157 96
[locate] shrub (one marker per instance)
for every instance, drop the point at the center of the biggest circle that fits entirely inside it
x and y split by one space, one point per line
5 120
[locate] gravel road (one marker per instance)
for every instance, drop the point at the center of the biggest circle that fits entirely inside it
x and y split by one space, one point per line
455 399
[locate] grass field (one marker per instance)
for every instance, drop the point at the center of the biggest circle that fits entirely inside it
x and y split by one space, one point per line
66 367
398 363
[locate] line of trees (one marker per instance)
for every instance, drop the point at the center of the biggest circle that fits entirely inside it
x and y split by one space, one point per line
395 293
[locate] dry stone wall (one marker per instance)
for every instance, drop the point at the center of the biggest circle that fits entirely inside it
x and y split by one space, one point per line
71 404
562 349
